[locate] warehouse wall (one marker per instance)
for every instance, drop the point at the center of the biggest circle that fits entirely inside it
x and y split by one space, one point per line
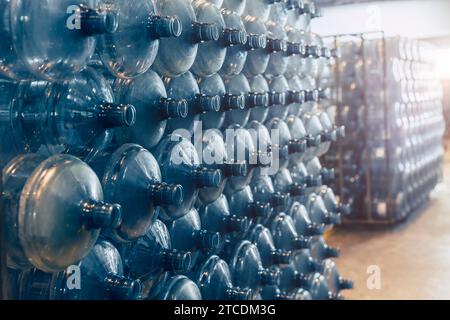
408 18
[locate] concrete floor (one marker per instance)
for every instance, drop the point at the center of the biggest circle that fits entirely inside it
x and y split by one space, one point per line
414 258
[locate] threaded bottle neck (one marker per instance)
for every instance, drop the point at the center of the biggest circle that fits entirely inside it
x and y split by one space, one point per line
165 27
98 215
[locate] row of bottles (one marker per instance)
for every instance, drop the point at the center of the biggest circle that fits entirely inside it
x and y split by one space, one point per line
170 151
391 101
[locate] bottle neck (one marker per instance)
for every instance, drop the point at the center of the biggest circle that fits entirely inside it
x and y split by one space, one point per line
176 261
204 104
233 102
114 115
121 288
205 240
98 215
95 23
256 41
173 109
165 27
232 37
166 194
301 243
203 32
207 178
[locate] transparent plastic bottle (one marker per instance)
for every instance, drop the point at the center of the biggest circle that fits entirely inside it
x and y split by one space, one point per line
177 55
102 278
296 96
238 87
270 255
185 87
258 98
132 49
153 109
180 164
74 117
318 211
243 204
247 270
320 251
285 236
303 224
132 178
214 86
257 42
277 46
216 217
237 54
151 258
215 156
214 281
278 94
287 145
54 211
50 39
211 54
264 192
336 283
187 234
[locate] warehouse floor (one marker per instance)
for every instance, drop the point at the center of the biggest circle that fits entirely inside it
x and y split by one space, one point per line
414 258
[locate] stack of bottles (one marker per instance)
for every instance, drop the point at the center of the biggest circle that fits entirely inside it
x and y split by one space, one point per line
166 149
390 99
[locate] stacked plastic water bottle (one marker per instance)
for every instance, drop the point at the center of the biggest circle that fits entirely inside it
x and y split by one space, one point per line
391 102
166 149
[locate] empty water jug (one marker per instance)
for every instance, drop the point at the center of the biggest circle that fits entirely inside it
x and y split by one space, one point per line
180 164
99 276
264 192
318 211
214 281
185 87
153 109
151 258
187 234
236 55
247 269
278 94
335 282
243 204
259 47
302 222
51 40
54 211
213 86
211 55
177 55
216 217
258 98
287 145
320 251
131 177
285 236
270 255
132 49
69 117
215 156
237 88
